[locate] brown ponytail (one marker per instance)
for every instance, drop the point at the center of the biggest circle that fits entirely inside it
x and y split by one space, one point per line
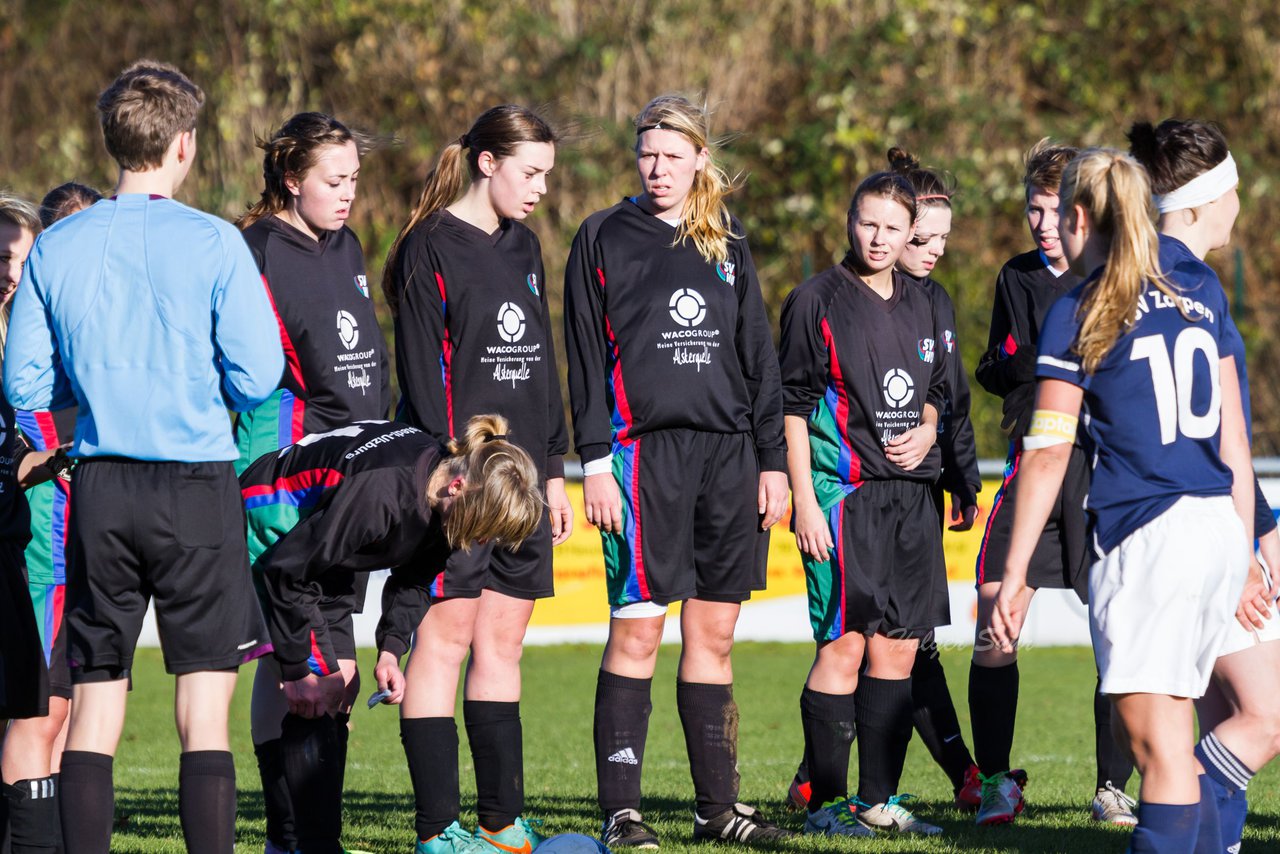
502 498
498 131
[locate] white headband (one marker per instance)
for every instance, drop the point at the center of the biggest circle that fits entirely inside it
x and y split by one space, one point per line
1201 189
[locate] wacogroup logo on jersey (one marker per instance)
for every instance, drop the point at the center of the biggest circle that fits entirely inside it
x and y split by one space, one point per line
688 308
532 281
510 322
362 285
725 271
926 348
949 340
898 387
348 329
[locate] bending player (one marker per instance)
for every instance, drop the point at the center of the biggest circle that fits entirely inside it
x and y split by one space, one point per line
678 420
473 334
1145 355
860 371
1025 289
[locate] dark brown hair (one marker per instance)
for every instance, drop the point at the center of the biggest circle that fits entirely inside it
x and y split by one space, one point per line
142 111
891 185
1045 162
498 131
66 199
290 153
932 188
1176 151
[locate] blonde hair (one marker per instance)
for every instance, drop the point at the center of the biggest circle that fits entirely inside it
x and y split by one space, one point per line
1115 194
144 109
15 210
501 499
498 131
705 219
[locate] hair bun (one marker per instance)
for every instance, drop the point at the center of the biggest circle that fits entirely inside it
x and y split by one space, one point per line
902 161
1143 143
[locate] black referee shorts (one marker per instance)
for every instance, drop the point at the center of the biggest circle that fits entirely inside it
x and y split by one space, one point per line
168 532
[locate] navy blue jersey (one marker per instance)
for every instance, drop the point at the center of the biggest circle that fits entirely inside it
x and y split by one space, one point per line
1153 409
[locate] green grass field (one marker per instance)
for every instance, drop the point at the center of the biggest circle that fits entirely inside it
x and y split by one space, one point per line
1055 744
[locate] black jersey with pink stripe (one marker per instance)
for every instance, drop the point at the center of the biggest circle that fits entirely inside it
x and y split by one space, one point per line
860 369
473 335
658 338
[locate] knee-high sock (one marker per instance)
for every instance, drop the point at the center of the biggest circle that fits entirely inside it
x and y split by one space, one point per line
993 712
493 730
1228 778
87 784
311 755
431 748
275 794
33 816
829 722
934 716
1165 829
207 801
884 727
709 718
621 729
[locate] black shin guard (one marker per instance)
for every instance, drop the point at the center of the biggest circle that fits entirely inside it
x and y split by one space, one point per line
709 718
497 751
89 794
431 748
620 729
33 816
310 750
829 727
275 795
207 801
993 712
884 722
934 716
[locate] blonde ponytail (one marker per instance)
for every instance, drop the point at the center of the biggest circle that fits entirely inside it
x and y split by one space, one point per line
1115 194
705 218
501 499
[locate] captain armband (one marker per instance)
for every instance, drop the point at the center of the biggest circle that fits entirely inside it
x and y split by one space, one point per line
1050 428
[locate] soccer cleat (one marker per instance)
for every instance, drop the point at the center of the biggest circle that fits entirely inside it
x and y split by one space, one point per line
798 793
625 829
969 795
452 840
739 823
836 818
519 837
1113 806
892 815
1001 797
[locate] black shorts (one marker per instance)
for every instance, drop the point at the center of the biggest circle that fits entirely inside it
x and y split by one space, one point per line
168 532
525 573
887 574
1061 558
690 520
24 679
342 595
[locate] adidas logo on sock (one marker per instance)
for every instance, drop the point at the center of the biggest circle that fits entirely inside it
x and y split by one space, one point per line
626 755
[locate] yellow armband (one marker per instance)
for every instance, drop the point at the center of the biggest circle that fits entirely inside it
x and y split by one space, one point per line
1050 428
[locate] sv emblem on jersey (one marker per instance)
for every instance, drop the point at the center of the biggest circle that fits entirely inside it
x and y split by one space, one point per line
362 285
725 271
949 340
925 349
532 281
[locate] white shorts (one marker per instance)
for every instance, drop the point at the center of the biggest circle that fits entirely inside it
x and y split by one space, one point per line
1161 602
1238 638
637 610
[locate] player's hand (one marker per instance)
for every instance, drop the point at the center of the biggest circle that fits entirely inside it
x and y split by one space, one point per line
1010 611
962 515
315 696
908 449
1269 547
772 498
389 677
603 502
1255 603
813 535
561 511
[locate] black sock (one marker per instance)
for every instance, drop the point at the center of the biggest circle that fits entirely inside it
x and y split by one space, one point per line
275 794
620 729
1114 764
993 711
884 722
57 806
709 717
32 816
431 748
934 715
343 735
310 750
497 751
829 727
88 791
207 801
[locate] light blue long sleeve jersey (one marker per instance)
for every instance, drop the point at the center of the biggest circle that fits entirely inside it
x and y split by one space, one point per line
151 316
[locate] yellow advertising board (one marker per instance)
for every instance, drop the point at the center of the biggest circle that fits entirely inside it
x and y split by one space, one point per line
579 568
